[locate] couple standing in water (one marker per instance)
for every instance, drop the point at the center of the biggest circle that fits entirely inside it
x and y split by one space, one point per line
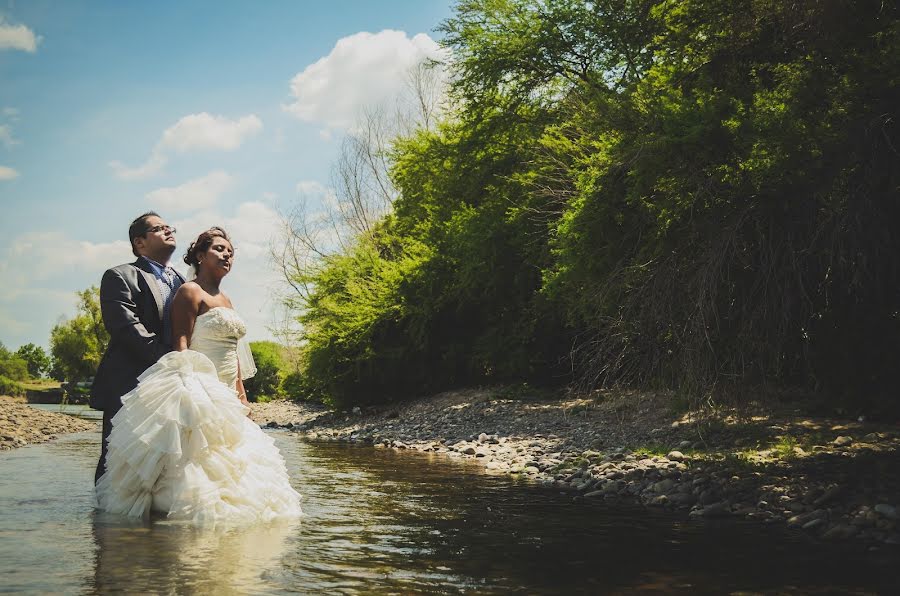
177 438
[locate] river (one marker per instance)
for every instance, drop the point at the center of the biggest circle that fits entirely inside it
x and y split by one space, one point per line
381 521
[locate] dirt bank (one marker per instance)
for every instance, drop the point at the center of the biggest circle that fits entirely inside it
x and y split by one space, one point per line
21 424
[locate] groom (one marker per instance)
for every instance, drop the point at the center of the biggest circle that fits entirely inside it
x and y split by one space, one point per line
135 299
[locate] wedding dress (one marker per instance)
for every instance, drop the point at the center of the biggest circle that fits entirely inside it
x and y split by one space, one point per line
182 443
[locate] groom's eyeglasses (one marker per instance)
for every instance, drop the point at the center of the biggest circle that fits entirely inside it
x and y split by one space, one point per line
156 229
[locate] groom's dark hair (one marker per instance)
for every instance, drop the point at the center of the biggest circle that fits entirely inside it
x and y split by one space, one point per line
138 228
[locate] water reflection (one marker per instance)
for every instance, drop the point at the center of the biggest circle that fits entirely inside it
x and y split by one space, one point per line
174 557
379 521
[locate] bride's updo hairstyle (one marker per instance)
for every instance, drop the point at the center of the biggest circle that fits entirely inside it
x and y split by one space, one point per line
202 244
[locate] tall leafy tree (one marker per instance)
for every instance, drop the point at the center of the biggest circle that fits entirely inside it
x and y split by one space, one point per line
36 358
77 345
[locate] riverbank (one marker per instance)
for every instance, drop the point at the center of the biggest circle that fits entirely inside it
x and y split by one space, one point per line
20 424
834 479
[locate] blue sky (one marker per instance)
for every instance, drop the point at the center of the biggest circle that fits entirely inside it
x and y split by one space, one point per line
212 113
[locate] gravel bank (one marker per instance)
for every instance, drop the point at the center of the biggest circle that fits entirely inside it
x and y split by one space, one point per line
832 478
21 424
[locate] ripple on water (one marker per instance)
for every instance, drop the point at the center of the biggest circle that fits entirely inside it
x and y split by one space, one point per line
385 521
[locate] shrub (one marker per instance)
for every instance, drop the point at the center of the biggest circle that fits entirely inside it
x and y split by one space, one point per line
14 368
266 384
10 387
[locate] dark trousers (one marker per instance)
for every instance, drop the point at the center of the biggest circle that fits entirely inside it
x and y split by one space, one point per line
107 428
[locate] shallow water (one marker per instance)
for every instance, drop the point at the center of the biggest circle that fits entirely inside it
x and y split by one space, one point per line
380 521
77 410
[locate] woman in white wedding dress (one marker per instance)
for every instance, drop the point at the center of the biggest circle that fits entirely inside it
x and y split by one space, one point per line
183 443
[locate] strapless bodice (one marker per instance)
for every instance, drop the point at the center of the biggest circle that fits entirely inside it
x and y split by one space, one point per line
216 334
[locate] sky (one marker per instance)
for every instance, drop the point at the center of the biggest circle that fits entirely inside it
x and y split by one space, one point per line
209 112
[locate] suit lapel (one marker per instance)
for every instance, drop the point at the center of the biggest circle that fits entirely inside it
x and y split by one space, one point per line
151 283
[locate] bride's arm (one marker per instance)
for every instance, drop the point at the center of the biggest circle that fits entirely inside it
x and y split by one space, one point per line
185 308
239 387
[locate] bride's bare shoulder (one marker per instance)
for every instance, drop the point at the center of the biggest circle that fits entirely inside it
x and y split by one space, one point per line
190 293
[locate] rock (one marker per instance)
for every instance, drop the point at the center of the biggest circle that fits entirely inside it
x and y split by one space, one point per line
531 470
272 424
663 486
804 518
720 509
813 524
843 441
676 456
659 500
708 497
467 450
840 532
797 507
482 438
593 494
887 511
827 496
682 499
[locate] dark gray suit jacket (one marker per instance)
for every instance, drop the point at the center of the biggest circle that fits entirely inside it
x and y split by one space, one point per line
132 308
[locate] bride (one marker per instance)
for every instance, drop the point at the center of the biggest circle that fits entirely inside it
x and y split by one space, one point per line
183 444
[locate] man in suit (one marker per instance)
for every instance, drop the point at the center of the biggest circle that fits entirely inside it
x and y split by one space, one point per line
135 299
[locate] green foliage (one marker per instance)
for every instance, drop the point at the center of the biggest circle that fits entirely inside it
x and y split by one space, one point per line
270 365
10 387
36 358
298 386
698 195
77 345
14 368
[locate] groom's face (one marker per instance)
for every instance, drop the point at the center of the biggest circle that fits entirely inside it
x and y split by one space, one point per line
159 240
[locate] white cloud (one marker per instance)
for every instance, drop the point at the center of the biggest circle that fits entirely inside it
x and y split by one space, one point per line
364 69
17 37
203 131
7 173
11 113
312 188
6 136
41 255
152 166
194 132
199 193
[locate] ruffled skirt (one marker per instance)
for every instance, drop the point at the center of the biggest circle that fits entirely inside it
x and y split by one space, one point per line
182 444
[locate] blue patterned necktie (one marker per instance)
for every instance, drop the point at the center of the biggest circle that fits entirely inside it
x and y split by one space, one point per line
168 292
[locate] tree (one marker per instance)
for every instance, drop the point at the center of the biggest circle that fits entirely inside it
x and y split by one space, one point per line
36 358
77 345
